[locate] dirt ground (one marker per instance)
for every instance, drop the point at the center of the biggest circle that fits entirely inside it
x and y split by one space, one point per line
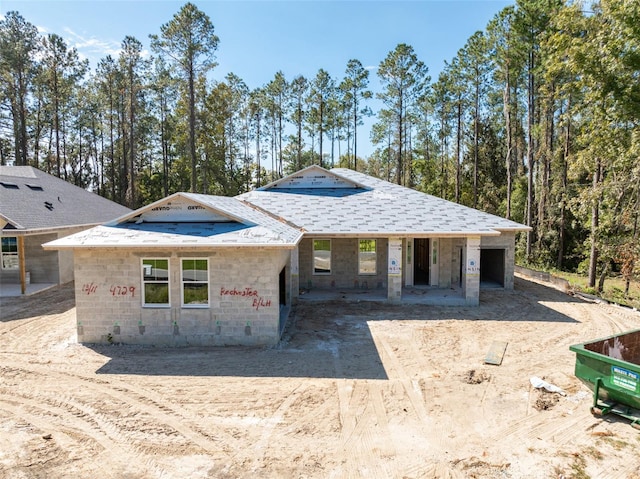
355 390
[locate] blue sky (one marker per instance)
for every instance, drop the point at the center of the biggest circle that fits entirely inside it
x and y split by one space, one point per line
259 38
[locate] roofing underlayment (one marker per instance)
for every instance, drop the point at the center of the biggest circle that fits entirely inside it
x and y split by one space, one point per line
313 201
187 220
345 202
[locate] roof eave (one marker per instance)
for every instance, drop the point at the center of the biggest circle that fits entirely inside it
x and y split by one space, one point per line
52 246
41 231
404 234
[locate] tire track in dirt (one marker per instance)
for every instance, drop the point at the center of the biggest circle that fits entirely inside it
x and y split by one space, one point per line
428 429
154 406
626 471
276 419
539 427
26 330
411 388
66 419
361 445
356 435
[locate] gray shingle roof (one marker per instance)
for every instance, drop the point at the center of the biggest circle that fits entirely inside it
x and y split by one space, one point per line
31 199
373 207
201 220
313 202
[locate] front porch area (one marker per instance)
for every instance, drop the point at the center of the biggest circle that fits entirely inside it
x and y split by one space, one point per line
426 295
8 290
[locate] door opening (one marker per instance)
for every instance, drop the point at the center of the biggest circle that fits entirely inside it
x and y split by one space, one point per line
421 261
283 287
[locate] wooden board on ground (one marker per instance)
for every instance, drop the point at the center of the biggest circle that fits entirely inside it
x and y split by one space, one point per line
495 353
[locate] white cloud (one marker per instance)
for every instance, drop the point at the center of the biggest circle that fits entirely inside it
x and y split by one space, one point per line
91 47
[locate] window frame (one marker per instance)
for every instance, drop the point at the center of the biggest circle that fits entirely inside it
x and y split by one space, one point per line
322 272
156 281
182 284
375 251
9 254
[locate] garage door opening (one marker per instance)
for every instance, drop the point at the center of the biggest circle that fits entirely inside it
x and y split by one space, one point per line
492 268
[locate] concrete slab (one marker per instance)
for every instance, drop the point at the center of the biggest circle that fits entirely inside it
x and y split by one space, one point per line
13 289
410 295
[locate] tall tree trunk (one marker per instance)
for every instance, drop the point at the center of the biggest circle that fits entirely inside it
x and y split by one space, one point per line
506 100
132 145
530 154
563 194
355 132
595 222
192 128
476 135
400 126
321 130
458 150
56 122
164 146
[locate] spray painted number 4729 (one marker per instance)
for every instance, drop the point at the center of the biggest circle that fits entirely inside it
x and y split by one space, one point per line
122 290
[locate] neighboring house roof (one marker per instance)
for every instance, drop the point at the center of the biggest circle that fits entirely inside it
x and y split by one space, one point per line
345 202
187 220
33 201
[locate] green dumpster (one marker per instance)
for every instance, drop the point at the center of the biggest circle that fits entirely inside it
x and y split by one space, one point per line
610 367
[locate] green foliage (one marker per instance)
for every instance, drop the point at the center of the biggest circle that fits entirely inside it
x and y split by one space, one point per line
536 118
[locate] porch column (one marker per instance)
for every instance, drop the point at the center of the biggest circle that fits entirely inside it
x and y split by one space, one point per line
21 264
394 271
295 275
471 270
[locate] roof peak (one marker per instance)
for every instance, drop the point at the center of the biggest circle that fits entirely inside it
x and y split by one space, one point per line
313 176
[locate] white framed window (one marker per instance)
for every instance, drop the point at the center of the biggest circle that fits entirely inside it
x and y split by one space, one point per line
155 282
195 282
367 256
321 256
10 253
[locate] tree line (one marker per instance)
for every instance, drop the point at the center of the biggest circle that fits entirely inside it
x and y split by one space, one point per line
535 119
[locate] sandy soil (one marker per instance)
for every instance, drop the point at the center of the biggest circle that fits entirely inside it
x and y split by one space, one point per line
355 390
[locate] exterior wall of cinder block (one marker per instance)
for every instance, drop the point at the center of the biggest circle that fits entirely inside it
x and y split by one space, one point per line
506 241
458 246
471 270
243 306
42 265
446 264
344 266
65 258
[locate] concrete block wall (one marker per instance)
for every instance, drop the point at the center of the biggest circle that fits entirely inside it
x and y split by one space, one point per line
344 266
506 241
42 265
458 246
65 257
471 270
243 298
446 263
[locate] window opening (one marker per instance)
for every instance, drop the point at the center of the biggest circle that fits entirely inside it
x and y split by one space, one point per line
367 257
322 256
155 282
10 253
195 282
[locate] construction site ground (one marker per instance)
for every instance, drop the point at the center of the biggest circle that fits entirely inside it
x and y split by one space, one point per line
356 389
